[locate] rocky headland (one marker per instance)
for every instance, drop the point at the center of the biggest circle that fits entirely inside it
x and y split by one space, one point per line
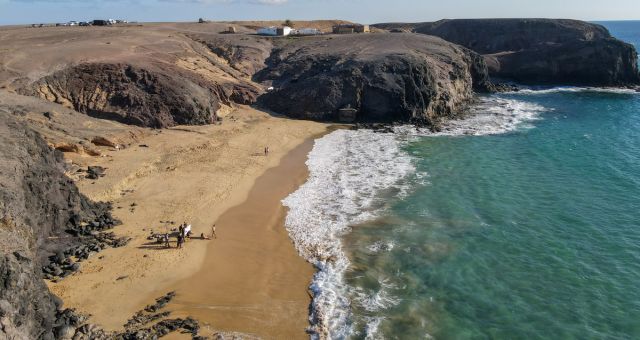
384 78
163 75
540 51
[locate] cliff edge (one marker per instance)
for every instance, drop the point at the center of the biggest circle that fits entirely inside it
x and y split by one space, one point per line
38 203
541 51
379 77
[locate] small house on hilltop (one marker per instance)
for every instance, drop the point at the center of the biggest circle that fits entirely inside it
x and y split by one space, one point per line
306 31
350 29
275 31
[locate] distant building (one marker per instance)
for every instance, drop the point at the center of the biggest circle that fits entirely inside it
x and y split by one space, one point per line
350 29
306 31
275 31
347 114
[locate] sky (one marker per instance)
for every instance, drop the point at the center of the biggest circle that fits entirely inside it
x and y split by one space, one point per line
363 11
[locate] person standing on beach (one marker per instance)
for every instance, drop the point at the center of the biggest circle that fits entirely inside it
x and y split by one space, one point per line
213 232
180 236
180 240
166 240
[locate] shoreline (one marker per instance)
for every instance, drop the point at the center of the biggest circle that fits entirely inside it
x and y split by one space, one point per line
264 287
193 174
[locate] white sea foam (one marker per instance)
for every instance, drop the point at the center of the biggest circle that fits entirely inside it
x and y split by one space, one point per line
378 299
380 246
569 89
348 170
489 116
372 328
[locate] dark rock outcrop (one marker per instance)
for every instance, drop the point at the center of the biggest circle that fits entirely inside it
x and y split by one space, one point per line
400 77
37 204
542 51
153 96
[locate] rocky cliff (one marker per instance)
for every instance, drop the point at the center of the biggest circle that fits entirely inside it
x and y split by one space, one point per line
37 204
403 77
549 51
153 96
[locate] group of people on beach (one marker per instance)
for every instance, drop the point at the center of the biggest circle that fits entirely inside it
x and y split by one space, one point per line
184 232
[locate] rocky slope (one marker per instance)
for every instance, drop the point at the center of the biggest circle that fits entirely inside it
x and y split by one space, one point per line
37 204
153 96
559 52
404 77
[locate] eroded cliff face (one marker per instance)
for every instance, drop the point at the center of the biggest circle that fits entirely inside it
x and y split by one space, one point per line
541 51
37 204
405 78
152 96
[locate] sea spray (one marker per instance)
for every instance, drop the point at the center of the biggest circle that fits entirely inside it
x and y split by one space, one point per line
490 115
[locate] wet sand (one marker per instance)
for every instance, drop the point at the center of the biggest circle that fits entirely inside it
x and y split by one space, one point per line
252 280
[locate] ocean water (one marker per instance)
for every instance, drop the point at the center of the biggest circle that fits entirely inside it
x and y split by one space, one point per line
520 222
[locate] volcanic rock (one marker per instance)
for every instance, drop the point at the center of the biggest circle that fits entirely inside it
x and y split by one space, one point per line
541 51
148 96
400 77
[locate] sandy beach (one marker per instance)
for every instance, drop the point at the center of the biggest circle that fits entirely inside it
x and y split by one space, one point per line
250 279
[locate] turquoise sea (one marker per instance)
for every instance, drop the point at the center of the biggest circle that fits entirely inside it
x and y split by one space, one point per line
520 223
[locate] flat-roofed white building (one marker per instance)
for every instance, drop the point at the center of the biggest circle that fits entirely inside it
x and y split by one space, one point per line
275 31
306 31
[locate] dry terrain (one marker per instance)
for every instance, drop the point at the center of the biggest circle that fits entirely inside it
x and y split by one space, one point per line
157 179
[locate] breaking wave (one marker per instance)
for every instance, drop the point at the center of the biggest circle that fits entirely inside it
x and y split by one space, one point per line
351 176
575 89
489 116
348 171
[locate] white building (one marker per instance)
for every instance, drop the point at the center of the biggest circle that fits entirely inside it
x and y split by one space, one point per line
306 31
275 31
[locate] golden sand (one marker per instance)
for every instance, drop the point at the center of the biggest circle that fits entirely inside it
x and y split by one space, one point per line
250 279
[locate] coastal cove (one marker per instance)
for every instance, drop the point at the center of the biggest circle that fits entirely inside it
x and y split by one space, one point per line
517 222
454 179
211 170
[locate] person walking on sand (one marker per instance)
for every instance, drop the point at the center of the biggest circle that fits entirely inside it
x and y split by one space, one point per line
266 150
213 232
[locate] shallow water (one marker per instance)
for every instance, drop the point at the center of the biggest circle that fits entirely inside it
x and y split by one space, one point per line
533 233
521 222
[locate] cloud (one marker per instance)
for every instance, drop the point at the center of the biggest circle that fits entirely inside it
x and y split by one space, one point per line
261 2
